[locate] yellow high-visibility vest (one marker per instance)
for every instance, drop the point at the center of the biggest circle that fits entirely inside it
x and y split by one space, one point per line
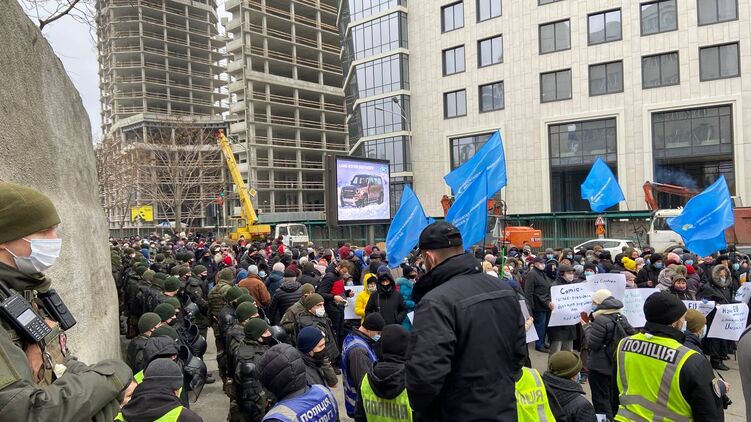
379 409
170 416
531 398
649 369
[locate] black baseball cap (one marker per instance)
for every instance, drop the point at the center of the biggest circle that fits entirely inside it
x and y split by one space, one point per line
440 235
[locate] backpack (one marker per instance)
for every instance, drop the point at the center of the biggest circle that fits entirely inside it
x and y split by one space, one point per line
619 333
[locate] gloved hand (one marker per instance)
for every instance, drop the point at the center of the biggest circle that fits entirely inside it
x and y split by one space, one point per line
108 413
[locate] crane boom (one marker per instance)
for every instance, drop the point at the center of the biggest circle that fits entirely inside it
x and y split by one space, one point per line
248 212
652 188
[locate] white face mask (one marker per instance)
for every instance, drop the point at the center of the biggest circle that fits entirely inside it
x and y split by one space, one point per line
320 312
703 332
44 254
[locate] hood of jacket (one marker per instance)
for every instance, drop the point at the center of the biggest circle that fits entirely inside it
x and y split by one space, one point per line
281 370
565 390
151 400
161 346
388 379
716 275
610 303
456 265
290 286
385 290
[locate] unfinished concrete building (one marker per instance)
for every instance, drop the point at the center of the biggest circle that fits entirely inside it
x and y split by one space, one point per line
162 70
286 93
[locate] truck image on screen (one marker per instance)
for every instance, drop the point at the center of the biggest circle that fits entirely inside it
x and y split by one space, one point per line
362 190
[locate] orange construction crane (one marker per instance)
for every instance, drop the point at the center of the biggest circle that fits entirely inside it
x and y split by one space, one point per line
652 188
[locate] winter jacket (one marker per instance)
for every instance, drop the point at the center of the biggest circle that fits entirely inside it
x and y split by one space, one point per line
387 302
712 291
693 342
537 290
151 400
693 279
563 332
324 289
274 281
257 289
387 379
684 295
306 319
216 297
319 371
289 319
312 278
463 320
405 289
600 333
570 396
646 274
361 300
286 295
281 371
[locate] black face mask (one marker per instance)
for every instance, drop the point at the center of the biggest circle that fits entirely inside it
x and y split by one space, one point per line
320 356
268 341
387 288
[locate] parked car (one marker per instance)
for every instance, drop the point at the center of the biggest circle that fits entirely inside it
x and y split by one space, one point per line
614 246
362 190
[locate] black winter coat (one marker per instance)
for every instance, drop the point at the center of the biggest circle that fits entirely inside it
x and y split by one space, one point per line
151 400
284 297
563 332
281 371
467 346
537 290
570 395
646 274
387 302
324 289
599 335
388 379
310 278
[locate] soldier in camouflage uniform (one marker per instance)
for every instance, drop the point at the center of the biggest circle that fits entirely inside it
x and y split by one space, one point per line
250 402
216 303
32 385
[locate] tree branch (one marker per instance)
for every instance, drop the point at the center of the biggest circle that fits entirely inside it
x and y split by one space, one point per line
44 22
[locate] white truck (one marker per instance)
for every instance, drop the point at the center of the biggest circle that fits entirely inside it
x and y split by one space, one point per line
293 234
660 236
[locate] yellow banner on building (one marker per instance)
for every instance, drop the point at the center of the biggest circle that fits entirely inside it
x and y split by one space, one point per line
144 212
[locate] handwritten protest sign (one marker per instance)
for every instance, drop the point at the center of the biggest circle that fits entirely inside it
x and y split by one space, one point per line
633 306
743 294
615 282
532 332
570 301
701 306
729 321
349 310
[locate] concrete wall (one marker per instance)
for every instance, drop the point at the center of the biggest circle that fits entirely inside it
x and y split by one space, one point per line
45 142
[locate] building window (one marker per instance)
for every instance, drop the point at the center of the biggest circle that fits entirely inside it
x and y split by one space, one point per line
604 27
555 86
693 147
359 9
464 148
379 116
455 104
491 97
453 60
555 36
660 70
394 149
719 62
452 16
379 35
714 11
488 9
658 16
574 146
606 78
490 51
379 76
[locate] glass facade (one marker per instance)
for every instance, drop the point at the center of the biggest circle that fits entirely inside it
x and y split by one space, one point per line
360 9
395 149
462 149
379 116
377 36
379 76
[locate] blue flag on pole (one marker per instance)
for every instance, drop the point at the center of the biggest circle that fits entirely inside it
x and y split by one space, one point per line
490 159
601 188
404 231
469 213
703 221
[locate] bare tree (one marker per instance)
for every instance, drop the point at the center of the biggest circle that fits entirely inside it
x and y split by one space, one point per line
180 170
48 11
115 176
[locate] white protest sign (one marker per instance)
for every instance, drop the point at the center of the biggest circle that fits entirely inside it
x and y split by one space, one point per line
570 301
615 282
532 332
411 317
729 321
743 294
349 310
700 305
633 305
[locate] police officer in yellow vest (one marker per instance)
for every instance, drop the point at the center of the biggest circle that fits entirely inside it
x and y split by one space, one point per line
383 392
156 398
658 377
532 403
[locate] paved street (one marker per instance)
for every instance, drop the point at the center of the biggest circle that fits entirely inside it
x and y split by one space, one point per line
213 405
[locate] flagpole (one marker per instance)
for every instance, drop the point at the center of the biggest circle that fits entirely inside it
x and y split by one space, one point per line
633 223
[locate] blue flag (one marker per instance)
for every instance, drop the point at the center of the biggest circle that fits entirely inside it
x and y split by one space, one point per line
405 228
601 187
490 159
469 213
703 221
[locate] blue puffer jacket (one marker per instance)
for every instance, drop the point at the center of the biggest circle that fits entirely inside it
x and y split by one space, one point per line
405 289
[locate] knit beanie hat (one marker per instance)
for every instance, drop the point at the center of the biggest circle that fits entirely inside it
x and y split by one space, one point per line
599 296
394 340
232 294
165 330
183 270
148 275
140 269
255 328
23 211
308 338
279 267
174 302
171 284
160 276
165 311
312 300
253 269
695 320
159 281
159 257
663 309
198 269
565 364
374 322
244 298
629 263
245 310
226 274
148 321
308 267
166 372
308 288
